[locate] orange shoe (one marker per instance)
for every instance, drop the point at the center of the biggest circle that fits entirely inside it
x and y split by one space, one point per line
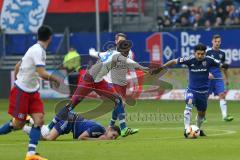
34 157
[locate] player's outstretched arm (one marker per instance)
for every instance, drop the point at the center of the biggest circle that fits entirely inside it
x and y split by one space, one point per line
93 53
171 63
46 76
131 64
164 67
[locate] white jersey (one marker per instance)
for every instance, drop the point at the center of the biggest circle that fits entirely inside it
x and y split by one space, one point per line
118 74
109 60
27 77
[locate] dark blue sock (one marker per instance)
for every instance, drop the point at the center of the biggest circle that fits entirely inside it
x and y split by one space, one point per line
53 122
114 117
6 128
63 113
34 136
121 115
122 121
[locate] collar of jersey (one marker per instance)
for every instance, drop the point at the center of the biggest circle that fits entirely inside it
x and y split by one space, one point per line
41 46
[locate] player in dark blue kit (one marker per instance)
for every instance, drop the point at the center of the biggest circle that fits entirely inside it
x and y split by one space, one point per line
198 86
215 74
82 129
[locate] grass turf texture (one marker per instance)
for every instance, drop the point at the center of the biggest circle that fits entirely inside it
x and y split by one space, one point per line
160 136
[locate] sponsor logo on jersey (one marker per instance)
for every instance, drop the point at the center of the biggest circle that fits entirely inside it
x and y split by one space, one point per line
198 70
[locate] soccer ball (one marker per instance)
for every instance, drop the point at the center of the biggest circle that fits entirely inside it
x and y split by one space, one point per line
192 131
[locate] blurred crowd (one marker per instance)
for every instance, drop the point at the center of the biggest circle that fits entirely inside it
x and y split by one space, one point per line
215 13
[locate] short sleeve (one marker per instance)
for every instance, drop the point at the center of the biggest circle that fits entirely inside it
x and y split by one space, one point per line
39 58
184 60
95 131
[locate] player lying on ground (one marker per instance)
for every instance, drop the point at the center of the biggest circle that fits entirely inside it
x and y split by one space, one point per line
82 129
24 97
117 75
198 85
217 82
93 81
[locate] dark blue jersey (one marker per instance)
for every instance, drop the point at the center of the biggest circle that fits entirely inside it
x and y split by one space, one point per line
77 125
93 128
198 71
219 55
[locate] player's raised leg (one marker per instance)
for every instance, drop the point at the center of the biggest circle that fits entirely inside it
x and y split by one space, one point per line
83 89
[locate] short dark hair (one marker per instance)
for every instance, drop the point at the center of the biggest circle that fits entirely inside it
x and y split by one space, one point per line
44 33
120 35
200 47
216 36
117 129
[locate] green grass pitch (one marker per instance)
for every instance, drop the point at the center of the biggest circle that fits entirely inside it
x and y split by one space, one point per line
160 136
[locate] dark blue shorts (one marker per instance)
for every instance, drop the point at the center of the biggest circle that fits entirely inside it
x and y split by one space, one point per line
216 86
61 127
199 99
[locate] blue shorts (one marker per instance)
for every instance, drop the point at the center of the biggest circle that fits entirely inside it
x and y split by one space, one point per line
63 127
216 86
199 100
78 129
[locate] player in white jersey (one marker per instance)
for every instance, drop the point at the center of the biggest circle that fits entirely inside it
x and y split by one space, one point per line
94 81
24 97
117 75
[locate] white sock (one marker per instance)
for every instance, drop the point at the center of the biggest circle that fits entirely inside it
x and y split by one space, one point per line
223 106
187 118
27 129
199 121
30 153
